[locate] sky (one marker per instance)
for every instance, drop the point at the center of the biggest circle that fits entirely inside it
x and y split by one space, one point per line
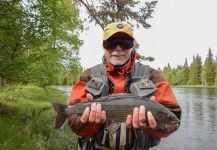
180 29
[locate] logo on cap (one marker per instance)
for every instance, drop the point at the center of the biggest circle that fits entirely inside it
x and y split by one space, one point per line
120 26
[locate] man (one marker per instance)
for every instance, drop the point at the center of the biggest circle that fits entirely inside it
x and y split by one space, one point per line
119 73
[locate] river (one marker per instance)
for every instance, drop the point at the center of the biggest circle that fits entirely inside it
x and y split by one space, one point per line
198 130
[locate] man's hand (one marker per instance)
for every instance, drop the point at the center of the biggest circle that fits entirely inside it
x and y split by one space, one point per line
92 115
139 120
95 114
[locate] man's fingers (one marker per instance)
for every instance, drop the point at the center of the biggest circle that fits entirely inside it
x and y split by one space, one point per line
151 120
129 121
89 96
98 113
103 117
152 98
142 119
136 117
85 115
92 115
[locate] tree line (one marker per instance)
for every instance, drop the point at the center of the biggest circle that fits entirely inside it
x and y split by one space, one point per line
39 39
197 73
39 42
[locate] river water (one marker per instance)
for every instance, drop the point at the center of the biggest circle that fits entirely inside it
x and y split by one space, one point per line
198 130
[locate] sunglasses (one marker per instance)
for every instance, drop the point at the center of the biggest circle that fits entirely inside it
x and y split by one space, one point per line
124 43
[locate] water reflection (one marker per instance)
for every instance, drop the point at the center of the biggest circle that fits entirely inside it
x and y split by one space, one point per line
198 129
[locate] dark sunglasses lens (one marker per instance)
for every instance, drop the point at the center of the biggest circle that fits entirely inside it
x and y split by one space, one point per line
123 43
126 44
109 45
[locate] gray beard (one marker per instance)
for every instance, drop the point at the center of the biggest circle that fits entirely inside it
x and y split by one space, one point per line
120 66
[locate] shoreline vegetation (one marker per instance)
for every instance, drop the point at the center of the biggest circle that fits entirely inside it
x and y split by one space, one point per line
193 86
27 118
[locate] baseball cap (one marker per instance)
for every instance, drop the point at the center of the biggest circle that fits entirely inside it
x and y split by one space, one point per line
116 27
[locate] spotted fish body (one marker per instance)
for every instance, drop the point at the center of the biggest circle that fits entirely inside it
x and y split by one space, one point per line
118 106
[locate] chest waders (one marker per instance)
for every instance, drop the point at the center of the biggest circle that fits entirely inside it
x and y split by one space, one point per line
116 135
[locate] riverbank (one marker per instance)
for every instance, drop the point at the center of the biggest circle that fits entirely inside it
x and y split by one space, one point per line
194 86
27 119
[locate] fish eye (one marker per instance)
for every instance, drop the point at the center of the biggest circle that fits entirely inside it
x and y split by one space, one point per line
169 116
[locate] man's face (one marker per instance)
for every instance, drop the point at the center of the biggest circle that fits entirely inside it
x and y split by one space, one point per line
118 49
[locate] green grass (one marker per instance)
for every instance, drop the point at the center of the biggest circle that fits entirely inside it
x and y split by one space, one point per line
27 120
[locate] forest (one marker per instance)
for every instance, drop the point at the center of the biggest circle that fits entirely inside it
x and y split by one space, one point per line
39 42
39 39
197 73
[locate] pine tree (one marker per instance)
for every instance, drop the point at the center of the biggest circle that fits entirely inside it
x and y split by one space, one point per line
167 72
216 71
191 72
185 72
177 75
195 71
103 12
209 69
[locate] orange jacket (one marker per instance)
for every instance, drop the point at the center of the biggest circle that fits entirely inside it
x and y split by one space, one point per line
163 94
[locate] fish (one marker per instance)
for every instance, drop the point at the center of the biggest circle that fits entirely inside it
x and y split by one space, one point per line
118 106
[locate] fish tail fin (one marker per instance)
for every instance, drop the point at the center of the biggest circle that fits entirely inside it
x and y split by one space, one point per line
59 107
60 119
61 115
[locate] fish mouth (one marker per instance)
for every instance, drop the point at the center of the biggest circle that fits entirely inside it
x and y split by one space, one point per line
172 127
174 122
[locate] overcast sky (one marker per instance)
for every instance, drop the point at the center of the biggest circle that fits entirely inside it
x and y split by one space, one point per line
180 29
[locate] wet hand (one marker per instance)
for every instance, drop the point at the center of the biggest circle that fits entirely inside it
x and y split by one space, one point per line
93 114
138 118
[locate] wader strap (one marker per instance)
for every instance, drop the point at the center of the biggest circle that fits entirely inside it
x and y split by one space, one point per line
123 135
144 141
117 140
140 71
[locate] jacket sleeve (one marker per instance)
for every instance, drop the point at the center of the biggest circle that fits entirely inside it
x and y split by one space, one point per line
78 94
166 97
